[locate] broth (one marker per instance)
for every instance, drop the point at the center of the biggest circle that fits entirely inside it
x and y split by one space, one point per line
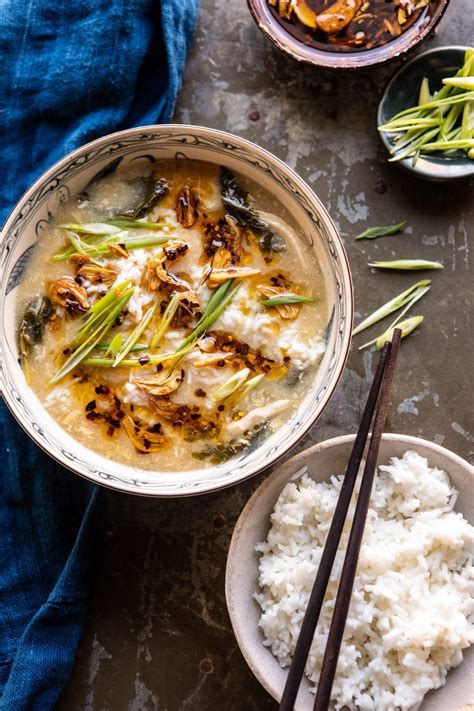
348 25
167 248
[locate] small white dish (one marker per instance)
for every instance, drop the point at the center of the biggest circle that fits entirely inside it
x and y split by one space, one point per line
323 460
148 144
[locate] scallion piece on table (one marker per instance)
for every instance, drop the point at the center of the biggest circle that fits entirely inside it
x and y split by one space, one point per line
394 304
283 299
418 295
406 327
406 264
374 232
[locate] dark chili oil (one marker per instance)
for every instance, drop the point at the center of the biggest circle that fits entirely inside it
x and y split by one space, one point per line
375 30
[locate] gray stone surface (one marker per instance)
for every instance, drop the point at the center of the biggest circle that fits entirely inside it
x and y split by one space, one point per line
158 636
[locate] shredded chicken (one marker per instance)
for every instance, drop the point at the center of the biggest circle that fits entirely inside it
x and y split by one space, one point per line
252 419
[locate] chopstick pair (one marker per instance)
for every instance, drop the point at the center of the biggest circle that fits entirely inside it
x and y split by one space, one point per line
377 402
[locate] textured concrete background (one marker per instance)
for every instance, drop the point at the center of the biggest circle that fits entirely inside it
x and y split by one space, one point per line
158 636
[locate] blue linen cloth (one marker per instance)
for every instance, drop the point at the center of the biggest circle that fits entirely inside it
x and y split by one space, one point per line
71 71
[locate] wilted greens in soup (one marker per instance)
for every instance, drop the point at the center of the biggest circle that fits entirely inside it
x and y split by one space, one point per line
169 319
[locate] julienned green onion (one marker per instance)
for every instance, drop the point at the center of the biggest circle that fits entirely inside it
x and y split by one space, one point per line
393 305
460 82
126 224
99 310
440 122
92 228
247 387
90 342
111 347
374 232
406 264
283 299
406 327
103 249
416 297
219 300
135 335
165 320
115 345
98 361
231 385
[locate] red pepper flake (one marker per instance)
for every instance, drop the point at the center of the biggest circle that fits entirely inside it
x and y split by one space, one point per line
200 392
102 390
91 406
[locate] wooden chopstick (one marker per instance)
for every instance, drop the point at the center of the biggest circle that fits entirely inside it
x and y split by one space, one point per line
346 583
315 602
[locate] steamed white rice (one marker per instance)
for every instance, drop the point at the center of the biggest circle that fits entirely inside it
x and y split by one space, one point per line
412 608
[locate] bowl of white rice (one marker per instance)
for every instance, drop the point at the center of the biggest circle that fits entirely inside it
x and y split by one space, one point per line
411 619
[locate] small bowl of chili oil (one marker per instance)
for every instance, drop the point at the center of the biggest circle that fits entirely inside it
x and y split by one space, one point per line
346 34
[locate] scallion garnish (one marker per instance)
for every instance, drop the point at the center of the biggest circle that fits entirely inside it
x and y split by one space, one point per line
374 232
89 343
126 224
394 304
91 228
166 319
219 300
103 249
406 264
439 122
135 335
231 385
108 346
283 299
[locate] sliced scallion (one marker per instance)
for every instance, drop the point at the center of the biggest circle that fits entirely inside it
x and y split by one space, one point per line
166 319
283 299
393 305
406 327
374 232
406 264
231 385
220 299
92 228
88 345
126 224
135 335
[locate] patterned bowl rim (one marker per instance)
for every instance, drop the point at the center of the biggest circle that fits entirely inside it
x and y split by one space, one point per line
131 484
377 56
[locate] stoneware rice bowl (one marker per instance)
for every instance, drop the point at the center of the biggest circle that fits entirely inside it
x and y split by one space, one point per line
324 460
69 177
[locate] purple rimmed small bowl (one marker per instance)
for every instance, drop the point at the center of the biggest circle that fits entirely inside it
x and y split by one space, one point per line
399 46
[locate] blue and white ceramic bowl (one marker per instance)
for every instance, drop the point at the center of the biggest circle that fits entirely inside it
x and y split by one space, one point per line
67 178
